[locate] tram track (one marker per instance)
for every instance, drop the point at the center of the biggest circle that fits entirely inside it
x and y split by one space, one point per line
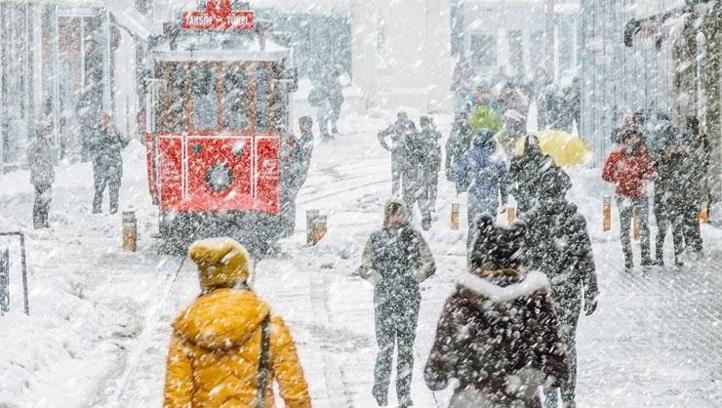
138 348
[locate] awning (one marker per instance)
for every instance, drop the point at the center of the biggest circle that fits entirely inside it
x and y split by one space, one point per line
668 25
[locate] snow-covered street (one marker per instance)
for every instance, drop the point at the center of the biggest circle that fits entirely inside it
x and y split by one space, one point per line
100 318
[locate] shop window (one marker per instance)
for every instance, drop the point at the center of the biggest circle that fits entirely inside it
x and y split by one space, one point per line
483 50
203 91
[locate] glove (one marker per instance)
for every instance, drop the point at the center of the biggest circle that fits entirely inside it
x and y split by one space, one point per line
590 303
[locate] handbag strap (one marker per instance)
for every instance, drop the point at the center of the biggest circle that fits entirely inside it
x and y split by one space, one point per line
263 363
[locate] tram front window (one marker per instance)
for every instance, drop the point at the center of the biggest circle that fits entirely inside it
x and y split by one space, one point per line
203 89
235 99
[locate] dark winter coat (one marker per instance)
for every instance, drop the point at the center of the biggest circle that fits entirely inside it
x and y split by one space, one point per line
430 136
297 160
525 175
413 154
673 187
396 133
40 160
555 112
700 156
107 153
396 261
457 145
558 245
483 174
499 337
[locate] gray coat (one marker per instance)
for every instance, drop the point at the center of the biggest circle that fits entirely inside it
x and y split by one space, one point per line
40 160
396 261
107 153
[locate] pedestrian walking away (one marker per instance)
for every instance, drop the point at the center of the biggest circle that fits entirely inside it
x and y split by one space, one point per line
671 191
628 167
526 172
228 348
559 246
42 174
430 137
699 151
396 133
483 174
295 163
457 145
396 260
498 335
107 146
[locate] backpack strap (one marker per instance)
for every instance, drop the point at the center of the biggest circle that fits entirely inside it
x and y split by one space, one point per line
263 363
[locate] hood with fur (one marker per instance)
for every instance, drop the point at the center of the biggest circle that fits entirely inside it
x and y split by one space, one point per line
222 319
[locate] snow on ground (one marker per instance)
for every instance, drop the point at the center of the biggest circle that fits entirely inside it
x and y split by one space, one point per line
100 318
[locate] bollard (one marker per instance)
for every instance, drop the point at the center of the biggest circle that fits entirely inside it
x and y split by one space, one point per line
311 216
635 226
511 215
130 231
704 215
4 281
607 213
455 208
320 228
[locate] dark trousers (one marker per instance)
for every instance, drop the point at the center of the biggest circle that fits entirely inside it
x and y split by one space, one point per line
396 322
413 194
41 206
627 207
433 190
396 167
665 220
113 185
568 300
691 229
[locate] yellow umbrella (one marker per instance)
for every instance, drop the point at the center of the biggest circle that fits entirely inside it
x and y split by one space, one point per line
566 149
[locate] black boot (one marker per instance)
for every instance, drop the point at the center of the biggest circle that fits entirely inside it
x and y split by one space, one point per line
381 396
628 260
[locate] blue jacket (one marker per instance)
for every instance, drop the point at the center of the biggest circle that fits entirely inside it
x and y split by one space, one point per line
483 174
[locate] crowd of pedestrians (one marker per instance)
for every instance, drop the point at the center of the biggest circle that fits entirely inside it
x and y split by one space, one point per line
657 162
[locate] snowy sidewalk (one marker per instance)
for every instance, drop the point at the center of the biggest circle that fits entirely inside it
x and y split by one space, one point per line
655 340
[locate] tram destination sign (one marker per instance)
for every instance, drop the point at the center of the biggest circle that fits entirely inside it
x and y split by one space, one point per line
218 16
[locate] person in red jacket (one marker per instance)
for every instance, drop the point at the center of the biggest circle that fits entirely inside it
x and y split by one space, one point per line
628 166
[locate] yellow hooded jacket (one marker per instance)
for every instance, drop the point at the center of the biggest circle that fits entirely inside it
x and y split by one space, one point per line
215 352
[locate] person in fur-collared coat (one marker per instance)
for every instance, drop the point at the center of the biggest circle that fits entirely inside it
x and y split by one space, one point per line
499 334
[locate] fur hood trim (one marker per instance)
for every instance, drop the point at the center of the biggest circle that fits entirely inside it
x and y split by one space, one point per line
533 282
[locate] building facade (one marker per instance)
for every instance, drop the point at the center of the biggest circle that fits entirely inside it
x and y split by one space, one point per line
58 68
511 38
651 56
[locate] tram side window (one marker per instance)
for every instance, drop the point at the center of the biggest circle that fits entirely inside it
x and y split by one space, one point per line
176 103
235 99
169 108
203 89
261 96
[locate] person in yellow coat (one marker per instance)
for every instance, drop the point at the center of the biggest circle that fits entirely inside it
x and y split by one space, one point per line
228 348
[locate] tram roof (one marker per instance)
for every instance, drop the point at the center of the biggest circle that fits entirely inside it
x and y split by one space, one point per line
220 47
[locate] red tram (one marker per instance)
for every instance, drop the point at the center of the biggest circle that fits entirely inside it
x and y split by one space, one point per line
218 109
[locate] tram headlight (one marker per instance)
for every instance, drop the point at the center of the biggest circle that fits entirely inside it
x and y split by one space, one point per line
219 177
